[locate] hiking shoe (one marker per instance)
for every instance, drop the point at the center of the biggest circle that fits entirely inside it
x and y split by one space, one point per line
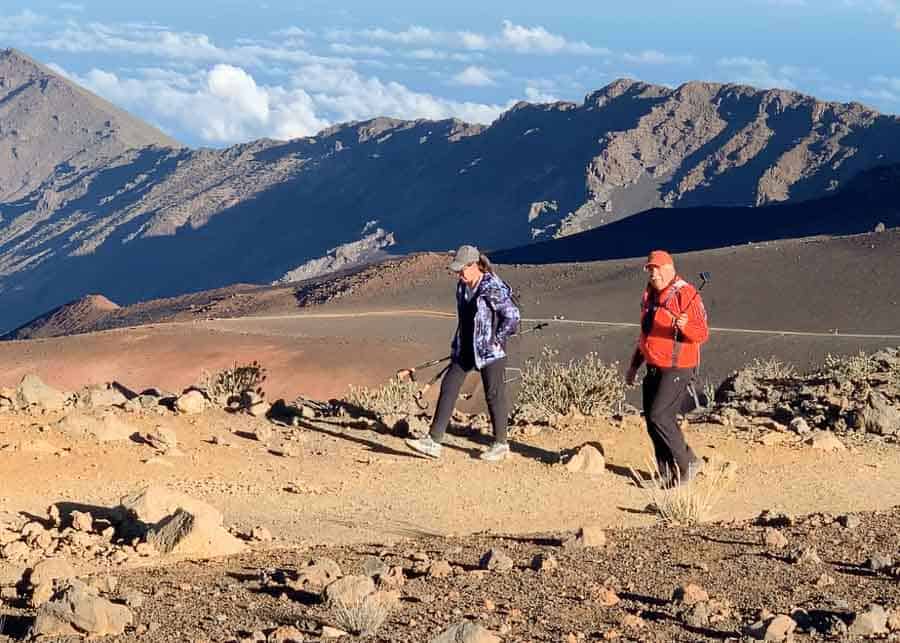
497 452
425 446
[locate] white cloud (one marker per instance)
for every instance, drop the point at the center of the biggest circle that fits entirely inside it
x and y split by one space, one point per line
473 76
512 37
225 104
654 57
22 20
538 40
71 6
754 71
357 50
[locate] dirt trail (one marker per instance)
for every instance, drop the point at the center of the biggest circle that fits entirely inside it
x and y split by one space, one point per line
358 485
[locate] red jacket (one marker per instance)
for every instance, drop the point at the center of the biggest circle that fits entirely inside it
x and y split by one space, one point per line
663 345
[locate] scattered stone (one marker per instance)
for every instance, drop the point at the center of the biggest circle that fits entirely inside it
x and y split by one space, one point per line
879 562
263 432
316 574
697 615
545 563
870 622
689 594
106 428
32 391
805 556
285 634
880 416
606 597
774 539
76 610
329 632
587 536
799 426
849 521
82 521
824 580
440 569
589 460
261 534
466 632
162 438
825 441
496 560
191 403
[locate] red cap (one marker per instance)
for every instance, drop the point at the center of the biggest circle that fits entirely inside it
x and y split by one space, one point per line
659 258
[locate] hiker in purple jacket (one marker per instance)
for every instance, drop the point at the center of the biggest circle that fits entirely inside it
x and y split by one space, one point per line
488 316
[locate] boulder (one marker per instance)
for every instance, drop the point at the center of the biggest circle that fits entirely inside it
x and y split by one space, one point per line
102 395
32 391
496 560
76 610
194 535
49 570
689 594
587 536
825 441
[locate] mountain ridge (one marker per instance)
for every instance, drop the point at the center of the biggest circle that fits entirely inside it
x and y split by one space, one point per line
158 221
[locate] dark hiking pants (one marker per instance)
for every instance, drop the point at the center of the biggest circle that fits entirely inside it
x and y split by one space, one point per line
664 392
492 376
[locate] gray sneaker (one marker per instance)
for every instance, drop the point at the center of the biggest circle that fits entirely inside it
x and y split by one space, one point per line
425 446
497 452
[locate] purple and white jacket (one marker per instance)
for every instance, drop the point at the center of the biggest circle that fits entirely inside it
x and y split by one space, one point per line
496 319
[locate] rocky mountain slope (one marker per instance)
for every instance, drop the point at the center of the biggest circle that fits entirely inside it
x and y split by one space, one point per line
47 121
159 221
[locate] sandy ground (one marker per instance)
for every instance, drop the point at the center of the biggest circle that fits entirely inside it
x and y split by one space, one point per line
352 484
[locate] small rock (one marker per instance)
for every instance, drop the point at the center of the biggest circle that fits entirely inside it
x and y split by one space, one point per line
825 441
440 569
466 632
870 622
774 539
261 534
589 460
780 628
544 563
805 556
329 632
606 597
191 403
689 594
76 611
285 634
879 562
496 560
697 615
82 521
849 521
263 433
799 426
587 536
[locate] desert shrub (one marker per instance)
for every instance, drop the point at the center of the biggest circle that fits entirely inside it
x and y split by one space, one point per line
226 383
851 368
771 368
588 384
396 397
363 617
684 504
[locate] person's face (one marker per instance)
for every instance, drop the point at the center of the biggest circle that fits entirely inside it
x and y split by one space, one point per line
469 274
661 276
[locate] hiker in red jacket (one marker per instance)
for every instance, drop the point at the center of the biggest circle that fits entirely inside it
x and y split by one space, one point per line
673 326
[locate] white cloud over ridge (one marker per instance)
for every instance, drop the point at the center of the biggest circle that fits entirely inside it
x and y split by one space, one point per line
473 76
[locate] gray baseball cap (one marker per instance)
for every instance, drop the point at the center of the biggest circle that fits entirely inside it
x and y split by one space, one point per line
464 256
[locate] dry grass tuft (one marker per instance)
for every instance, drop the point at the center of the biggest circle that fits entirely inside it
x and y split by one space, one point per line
771 368
686 504
396 397
588 384
360 618
227 383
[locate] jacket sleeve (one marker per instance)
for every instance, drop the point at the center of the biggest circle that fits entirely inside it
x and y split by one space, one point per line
696 331
499 301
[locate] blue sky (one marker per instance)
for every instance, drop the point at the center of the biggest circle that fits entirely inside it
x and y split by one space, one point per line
223 72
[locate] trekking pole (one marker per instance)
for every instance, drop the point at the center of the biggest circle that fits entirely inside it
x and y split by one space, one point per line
705 278
420 395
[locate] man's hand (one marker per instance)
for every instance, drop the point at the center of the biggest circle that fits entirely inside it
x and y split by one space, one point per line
630 376
681 321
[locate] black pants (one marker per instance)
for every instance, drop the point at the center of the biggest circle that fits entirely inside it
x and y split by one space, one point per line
665 395
493 377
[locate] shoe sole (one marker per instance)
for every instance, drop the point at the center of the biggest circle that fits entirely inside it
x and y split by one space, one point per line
433 456
494 459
